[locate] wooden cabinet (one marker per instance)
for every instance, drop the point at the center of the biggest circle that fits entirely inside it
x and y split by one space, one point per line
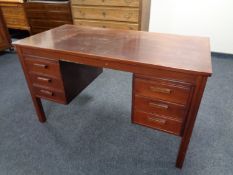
14 14
161 103
54 80
5 41
44 15
120 14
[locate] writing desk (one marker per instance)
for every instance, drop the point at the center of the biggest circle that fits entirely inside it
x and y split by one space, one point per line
169 72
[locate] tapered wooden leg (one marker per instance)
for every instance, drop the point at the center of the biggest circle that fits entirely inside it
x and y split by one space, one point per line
39 109
199 90
182 152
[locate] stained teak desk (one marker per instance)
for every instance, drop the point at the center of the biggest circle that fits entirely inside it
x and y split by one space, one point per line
169 72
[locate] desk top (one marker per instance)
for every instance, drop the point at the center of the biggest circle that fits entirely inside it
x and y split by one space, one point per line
174 52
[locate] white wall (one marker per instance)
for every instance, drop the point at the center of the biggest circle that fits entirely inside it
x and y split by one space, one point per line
212 18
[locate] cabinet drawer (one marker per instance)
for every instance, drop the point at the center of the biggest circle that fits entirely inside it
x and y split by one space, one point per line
62 16
47 23
13 11
57 7
157 122
129 3
57 96
46 81
169 110
43 66
106 13
11 21
107 24
166 91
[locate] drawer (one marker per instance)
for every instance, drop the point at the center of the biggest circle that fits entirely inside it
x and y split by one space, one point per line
157 107
106 13
11 21
129 3
42 92
163 90
13 11
46 81
47 23
58 7
157 122
43 66
63 16
107 24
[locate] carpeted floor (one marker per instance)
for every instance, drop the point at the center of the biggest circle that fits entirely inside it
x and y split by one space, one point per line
94 135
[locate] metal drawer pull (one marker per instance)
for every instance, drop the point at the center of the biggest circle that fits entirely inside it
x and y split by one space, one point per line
161 106
41 65
44 79
46 92
157 120
161 90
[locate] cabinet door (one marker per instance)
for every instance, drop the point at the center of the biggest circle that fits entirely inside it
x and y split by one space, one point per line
4 35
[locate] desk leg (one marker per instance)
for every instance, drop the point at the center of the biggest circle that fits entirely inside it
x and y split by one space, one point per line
39 109
199 90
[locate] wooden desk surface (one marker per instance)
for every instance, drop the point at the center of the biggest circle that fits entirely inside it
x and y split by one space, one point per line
172 52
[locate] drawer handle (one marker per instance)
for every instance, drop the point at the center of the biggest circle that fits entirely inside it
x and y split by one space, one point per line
161 90
41 65
46 92
157 120
48 80
161 106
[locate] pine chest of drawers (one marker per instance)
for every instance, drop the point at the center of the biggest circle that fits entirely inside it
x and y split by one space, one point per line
119 14
14 14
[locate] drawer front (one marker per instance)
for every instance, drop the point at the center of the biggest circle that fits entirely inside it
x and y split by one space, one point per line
167 110
106 13
61 7
11 21
46 23
57 96
129 3
43 66
166 91
49 15
157 122
13 11
106 24
46 81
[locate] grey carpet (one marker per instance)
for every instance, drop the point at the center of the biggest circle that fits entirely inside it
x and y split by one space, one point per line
94 135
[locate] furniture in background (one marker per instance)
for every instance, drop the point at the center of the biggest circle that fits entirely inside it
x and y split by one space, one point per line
14 14
44 15
169 72
5 41
119 14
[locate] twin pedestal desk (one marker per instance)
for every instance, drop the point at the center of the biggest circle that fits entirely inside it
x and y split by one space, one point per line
169 72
